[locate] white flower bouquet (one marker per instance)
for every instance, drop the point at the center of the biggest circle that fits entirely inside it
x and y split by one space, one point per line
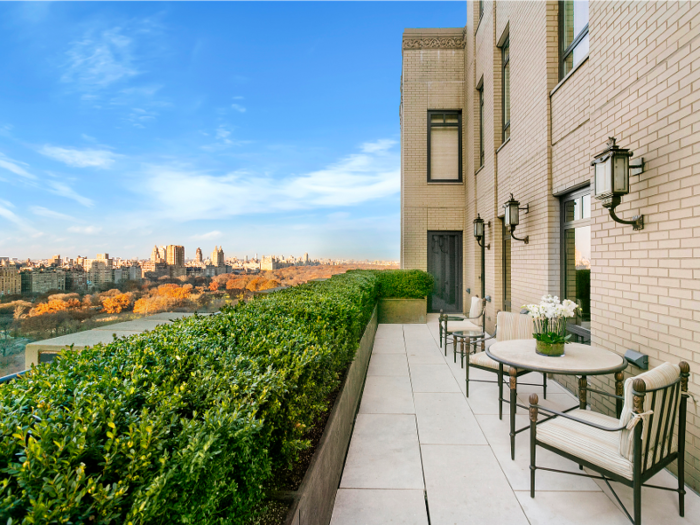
549 318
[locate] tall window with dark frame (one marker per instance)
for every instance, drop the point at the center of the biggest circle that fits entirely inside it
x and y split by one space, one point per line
576 260
481 9
481 126
505 54
444 146
573 34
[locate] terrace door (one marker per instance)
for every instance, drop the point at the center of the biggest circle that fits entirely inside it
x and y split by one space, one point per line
445 265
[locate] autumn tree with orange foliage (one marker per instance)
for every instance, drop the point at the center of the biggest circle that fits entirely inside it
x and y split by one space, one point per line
213 286
53 306
117 303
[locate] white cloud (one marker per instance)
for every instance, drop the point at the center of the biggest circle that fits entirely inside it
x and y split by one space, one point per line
86 230
185 194
208 236
50 214
98 61
222 140
66 191
14 167
86 158
238 108
18 221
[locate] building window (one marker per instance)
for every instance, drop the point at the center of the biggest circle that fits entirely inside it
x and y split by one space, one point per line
576 260
481 125
505 50
573 34
444 146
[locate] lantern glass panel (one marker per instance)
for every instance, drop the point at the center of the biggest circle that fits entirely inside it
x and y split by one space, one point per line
603 182
478 228
621 175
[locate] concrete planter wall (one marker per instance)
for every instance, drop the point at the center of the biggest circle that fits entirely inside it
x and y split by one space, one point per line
403 311
313 503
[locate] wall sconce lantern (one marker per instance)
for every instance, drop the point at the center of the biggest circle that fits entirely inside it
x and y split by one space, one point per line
479 231
512 218
612 179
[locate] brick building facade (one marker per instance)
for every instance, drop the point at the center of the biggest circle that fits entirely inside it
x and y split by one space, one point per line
539 87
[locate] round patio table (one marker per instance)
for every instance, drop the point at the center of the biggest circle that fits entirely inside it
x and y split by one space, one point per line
578 359
467 337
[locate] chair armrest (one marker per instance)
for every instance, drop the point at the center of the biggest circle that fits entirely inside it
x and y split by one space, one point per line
540 408
605 393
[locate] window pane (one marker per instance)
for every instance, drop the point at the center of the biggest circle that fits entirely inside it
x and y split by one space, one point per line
586 207
574 19
451 118
506 95
444 153
577 271
581 50
437 118
569 211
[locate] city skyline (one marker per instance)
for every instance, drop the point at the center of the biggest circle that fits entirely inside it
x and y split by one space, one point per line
126 122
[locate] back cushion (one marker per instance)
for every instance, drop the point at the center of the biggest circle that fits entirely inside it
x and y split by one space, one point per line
660 376
514 326
475 310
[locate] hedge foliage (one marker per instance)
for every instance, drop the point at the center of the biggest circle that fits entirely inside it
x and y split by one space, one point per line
406 284
186 423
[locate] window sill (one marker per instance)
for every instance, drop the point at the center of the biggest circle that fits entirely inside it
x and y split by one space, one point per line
568 75
480 168
502 145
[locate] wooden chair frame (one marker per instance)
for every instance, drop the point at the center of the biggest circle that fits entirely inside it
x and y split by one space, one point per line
642 470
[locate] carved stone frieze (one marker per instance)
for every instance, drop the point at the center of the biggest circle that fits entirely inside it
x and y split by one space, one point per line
452 42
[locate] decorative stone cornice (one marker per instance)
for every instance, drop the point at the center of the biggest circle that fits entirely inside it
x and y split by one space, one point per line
452 42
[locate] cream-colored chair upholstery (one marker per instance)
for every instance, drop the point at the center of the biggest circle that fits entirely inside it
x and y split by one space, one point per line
614 450
481 359
475 310
658 377
588 443
514 326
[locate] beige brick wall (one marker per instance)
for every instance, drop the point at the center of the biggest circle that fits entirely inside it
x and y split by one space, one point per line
641 84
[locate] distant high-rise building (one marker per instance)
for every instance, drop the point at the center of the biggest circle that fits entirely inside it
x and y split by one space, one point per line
10 279
55 260
155 255
217 256
175 255
306 257
198 256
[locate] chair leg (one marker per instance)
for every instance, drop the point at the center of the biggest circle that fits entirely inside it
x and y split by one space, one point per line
467 372
637 501
513 409
454 348
544 385
533 441
681 481
500 391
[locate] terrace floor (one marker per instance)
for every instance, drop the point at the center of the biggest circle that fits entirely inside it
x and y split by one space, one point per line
423 453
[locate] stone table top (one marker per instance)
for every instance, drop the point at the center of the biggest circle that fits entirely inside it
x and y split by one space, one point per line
578 359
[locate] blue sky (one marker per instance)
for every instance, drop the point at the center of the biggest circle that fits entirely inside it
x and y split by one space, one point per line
262 127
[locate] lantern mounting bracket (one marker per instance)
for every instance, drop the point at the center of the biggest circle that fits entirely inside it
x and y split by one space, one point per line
637 221
525 239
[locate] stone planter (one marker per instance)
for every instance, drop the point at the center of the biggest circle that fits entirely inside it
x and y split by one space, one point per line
403 311
313 503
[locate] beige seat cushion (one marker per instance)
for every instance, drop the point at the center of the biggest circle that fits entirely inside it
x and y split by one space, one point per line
455 326
481 359
661 376
588 443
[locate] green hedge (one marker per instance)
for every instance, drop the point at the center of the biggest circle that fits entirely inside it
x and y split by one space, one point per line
405 284
184 424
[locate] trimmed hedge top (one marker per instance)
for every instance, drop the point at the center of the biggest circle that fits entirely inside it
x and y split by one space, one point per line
405 284
183 424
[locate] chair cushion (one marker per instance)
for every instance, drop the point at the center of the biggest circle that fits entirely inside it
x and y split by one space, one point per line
476 308
662 375
514 326
483 360
588 443
456 326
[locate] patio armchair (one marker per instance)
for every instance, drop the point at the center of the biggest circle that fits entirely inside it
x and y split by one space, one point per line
629 450
477 311
508 326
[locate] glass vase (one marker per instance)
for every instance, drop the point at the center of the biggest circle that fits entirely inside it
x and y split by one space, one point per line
550 349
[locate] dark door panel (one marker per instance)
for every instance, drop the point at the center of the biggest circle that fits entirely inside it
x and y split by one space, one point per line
445 265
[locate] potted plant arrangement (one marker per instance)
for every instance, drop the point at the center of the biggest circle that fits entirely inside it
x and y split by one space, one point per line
549 318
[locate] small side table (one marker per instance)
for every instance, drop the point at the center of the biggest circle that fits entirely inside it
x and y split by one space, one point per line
467 339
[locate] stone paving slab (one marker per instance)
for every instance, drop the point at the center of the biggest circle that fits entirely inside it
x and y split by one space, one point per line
433 378
387 395
379 507
383 453
388 365
445 419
